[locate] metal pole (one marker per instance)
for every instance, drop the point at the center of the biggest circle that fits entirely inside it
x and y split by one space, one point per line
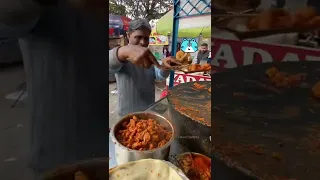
175 30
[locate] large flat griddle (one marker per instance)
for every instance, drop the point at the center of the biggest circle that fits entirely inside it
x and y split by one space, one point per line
192 102
268 133
190 112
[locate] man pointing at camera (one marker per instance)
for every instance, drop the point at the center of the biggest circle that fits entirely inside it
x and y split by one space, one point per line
137 69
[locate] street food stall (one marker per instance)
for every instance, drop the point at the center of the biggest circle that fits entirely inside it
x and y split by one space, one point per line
185 111
265 90
183 29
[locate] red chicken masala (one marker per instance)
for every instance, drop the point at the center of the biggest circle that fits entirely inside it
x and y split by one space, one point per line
142 135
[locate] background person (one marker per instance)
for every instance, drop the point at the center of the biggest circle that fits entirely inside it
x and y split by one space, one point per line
165 51
178 47
183 57
202 56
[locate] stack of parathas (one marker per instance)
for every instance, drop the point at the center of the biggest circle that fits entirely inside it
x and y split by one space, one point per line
146 169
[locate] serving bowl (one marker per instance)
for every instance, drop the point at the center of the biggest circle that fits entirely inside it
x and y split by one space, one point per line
125 155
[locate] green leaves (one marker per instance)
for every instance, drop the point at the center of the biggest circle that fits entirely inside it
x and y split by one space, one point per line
147 9
117 8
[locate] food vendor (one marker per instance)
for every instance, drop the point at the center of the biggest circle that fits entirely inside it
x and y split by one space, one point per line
202 55
135 74
183 57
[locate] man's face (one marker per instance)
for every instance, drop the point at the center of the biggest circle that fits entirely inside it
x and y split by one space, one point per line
139 37
203 49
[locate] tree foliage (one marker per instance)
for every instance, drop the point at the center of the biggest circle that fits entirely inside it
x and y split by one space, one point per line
117 8
148 9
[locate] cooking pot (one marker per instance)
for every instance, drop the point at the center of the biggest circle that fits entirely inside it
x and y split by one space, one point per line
125 155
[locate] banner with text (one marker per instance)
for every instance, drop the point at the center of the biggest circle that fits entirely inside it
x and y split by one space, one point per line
183 78
234 53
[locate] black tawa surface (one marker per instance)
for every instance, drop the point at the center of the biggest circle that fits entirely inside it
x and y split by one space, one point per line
190 112
192 102
263 131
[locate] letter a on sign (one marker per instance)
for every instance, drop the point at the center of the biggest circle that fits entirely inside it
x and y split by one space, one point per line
225 54
180 79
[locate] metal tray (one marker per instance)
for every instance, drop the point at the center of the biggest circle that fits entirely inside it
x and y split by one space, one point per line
186 71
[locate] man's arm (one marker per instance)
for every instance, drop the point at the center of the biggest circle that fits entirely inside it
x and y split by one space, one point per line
160 74
114 62
181 57
117 58
195 59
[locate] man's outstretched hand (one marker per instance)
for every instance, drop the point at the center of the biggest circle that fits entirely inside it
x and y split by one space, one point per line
137 55
168 62
142 56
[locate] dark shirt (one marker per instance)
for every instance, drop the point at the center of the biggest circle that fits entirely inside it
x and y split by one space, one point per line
167 54
202 56
65 56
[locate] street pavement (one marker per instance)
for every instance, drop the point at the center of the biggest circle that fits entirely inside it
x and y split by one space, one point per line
15 129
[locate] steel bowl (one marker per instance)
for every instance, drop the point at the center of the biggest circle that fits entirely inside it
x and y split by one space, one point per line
125 155
178 157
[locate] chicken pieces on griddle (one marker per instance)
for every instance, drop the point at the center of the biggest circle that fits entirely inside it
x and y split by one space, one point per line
206 67
302 16
281 18
198 67
273 18
282 79
316 90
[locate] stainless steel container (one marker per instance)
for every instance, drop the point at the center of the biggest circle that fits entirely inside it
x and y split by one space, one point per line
178 157
125 155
